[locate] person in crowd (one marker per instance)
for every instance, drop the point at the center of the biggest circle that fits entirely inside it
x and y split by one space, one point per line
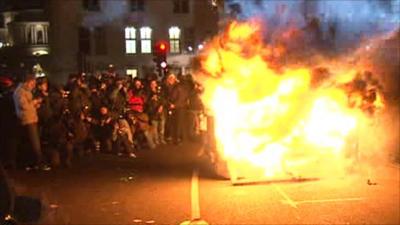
155 110
169 84
196 108
136 96
44 110
104 130
177 98
96 100
79 98
79 132
118 98
7 196
60 140
123 138
26 109
58 98
8 124
143 131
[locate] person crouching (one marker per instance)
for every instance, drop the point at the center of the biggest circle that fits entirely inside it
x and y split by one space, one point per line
123 138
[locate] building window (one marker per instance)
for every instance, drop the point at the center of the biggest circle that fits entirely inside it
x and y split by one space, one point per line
2 25
188 36
130 40
145 37
35 34
181 6
29 35
132 72
137 5
41 34
174 39
84 40
100 41
91 5
39 37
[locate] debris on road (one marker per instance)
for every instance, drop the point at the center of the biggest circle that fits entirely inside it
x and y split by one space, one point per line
54 206
127 179
130 176
194 222
369 182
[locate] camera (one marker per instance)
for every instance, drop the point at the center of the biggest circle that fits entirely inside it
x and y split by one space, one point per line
65 94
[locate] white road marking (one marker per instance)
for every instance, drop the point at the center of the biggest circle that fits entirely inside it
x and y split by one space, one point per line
294 204
330 200
195 203
288 200
195 195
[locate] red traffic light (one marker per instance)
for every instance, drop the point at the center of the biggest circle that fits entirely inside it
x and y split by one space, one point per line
162 47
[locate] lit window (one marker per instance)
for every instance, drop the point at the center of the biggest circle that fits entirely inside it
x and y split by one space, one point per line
145 36
174 39
131 72
130 40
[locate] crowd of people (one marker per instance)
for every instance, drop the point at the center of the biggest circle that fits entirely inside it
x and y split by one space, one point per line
47 125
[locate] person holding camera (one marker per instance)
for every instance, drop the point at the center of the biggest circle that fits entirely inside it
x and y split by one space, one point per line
155 109
26 108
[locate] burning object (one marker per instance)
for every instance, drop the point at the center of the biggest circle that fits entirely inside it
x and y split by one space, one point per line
275 121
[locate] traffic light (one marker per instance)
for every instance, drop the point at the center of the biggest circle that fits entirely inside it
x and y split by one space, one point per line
160 57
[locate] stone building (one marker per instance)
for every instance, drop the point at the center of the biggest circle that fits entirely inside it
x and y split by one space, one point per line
67 37
23 36
91 35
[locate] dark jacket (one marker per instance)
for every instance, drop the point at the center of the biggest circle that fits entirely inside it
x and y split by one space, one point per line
118 101
79 99
155 100
44 111
8 117
179 95
6 195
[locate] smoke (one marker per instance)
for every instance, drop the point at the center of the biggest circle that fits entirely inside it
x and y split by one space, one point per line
341 23
381 56
111 11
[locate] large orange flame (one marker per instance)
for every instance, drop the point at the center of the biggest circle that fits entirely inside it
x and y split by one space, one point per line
268 122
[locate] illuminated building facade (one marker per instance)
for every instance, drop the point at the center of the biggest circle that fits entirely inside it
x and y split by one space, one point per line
90 35
24 40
